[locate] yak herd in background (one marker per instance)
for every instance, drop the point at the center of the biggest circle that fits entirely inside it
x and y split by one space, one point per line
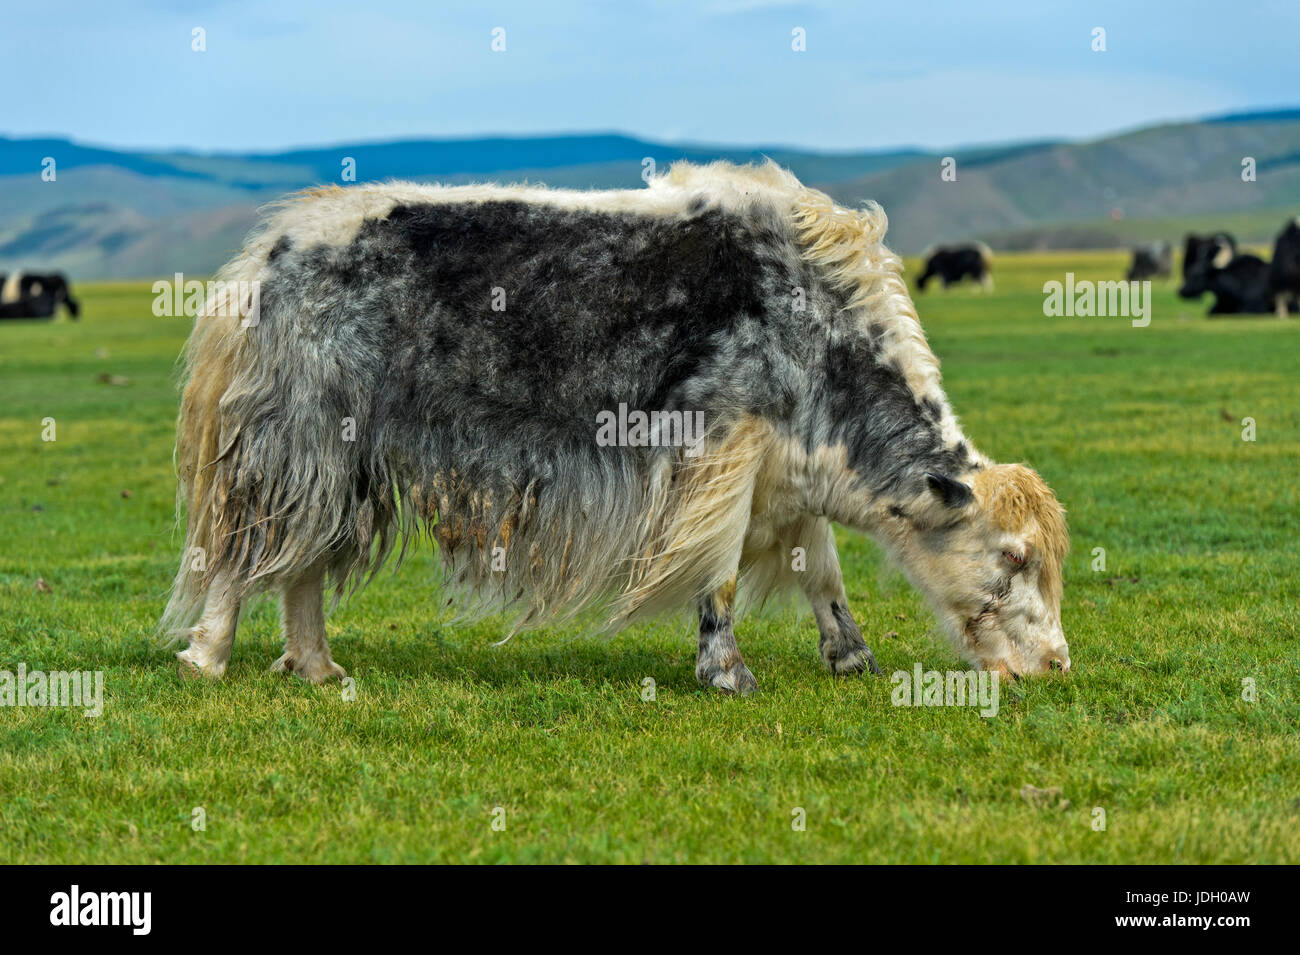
1241 283
28 295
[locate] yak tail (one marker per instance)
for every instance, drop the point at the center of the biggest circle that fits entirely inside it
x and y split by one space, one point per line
209 363
266 494
274 474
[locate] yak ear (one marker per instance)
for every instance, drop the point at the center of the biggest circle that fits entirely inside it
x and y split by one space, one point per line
952 492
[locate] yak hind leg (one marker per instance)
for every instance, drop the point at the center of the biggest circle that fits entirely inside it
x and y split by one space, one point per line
719 663
212 639
842 647
306 651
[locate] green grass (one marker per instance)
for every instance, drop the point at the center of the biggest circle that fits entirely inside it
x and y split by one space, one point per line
1199 593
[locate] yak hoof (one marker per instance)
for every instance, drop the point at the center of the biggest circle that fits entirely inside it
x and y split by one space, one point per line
735 681
196 662
857 660
313 669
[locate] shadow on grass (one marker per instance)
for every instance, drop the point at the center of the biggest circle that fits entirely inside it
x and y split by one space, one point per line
527 658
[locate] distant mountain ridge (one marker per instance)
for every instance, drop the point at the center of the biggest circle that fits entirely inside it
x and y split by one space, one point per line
139 214
427 159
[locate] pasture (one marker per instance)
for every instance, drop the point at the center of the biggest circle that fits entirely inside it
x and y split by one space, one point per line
1139 431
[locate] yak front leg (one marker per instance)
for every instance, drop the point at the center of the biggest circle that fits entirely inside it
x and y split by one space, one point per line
840 641
719 663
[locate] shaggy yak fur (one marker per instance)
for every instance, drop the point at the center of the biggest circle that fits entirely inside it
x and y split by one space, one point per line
386 360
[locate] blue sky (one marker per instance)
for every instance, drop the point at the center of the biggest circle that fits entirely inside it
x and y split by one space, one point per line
874 74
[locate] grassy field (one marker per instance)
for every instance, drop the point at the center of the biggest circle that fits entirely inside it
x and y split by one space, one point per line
1138 429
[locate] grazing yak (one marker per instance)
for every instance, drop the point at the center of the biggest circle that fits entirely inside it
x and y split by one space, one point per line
1284 270
453 360
1239 283
27 295
954 263
1152 260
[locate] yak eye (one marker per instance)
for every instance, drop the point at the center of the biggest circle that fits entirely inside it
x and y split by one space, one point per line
1016 559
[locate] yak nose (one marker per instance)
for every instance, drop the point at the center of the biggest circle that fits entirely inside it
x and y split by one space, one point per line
1058 662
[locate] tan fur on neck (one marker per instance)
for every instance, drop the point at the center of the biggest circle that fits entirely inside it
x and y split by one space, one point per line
1015 498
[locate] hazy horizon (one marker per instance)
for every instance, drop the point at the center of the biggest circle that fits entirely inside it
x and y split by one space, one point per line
630 134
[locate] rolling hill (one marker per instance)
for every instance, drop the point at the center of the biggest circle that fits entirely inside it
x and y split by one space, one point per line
1038 197
123 214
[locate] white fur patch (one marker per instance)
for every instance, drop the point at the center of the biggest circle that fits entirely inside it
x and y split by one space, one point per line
9 292
1222 258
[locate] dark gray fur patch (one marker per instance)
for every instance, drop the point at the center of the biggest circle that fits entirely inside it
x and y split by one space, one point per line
493 413
848 626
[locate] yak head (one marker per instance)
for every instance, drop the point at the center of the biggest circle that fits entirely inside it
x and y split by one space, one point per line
988 552
1202 257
